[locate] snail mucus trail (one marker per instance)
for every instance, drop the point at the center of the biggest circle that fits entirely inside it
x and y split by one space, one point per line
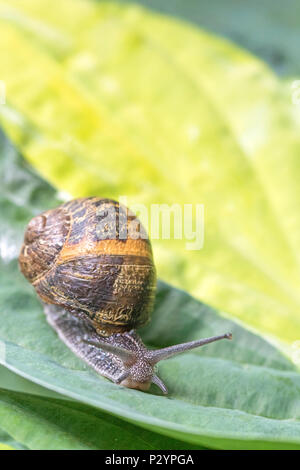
97 279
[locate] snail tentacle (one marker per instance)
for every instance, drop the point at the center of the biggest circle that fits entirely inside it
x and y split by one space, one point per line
123 376
166 353
157 381
124 354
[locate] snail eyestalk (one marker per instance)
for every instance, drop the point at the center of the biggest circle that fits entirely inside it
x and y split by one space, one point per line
166 353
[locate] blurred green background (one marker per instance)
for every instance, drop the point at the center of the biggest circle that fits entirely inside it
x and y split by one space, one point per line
269 29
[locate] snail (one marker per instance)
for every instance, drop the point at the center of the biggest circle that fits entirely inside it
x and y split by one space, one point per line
90 262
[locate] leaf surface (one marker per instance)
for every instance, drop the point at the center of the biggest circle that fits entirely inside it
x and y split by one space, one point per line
54 424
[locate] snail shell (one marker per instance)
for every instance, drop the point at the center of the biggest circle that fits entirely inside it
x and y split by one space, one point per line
84 256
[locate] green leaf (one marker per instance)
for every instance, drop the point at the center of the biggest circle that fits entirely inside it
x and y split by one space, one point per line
8 443
11 381
239 394
100 117
47 423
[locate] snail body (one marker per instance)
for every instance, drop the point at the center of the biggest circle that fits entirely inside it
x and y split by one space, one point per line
90 261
